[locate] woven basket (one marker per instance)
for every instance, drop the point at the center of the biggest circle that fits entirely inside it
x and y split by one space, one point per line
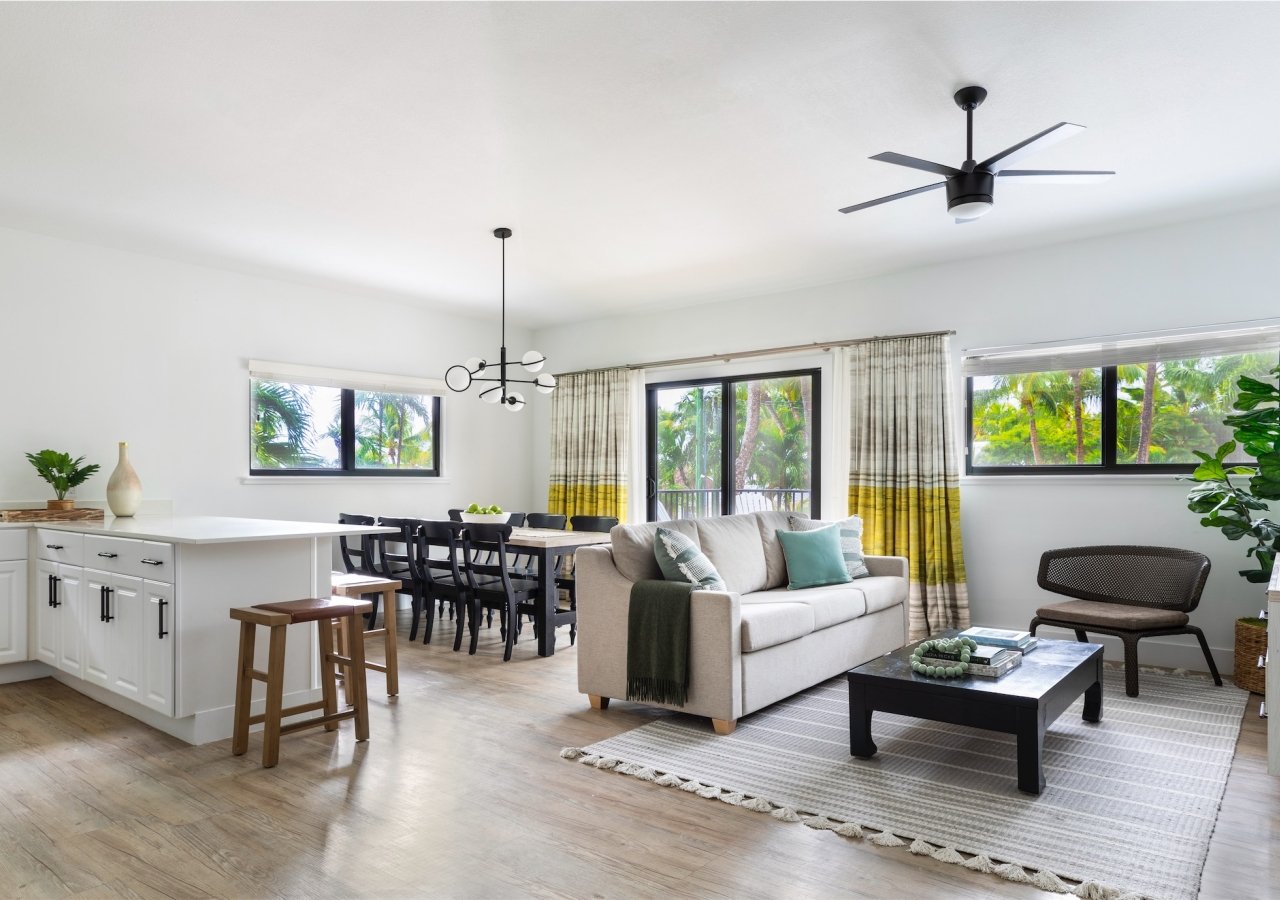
1251 642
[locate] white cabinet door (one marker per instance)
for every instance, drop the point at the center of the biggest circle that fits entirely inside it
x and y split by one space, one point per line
94 625
69 615
48 622
13 611
157 646
126 666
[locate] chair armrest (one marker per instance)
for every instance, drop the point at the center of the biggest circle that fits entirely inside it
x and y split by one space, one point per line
715 638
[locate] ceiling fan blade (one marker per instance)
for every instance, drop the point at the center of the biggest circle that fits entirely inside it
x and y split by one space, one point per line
1033 144
912 163
919 190
1053 176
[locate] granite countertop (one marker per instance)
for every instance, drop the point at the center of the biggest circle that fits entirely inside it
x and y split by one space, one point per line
204 529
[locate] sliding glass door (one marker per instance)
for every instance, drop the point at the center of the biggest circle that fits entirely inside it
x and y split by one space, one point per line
729 445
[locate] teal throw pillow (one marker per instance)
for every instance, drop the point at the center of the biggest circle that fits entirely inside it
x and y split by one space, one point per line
850 541
681 560
813 557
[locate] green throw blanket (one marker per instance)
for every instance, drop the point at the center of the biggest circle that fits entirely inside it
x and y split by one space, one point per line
658 642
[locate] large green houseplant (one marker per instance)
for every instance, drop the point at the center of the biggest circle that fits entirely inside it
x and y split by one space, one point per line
1232 507
62 473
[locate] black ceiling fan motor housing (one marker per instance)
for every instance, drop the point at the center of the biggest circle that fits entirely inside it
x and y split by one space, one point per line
970 187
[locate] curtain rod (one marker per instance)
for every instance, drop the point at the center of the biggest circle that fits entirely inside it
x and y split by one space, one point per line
748 354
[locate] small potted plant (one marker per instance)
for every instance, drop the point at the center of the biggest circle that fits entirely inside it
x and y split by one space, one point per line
62 472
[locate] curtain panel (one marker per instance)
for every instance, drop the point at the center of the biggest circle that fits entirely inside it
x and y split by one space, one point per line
904 477
591 444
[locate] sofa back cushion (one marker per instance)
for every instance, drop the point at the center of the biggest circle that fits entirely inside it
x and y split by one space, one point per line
775 564
633 547
733 545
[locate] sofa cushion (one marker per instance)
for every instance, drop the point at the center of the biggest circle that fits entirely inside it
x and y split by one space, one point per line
633 547
850 540
771 623
732 543
680 560
775 565
881 591
831 605
813 558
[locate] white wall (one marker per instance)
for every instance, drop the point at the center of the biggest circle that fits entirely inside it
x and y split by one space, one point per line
1191 274
102 346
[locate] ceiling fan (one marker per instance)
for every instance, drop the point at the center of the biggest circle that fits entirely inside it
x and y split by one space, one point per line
970 188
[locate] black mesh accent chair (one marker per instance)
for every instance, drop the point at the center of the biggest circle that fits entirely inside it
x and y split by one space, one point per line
565 580
489 582
361 559
1125 591
395 560
436 559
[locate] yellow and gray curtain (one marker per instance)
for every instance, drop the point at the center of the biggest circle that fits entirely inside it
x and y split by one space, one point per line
904 476
590 444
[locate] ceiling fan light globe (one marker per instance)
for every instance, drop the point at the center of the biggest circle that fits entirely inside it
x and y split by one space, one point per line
973 209
533 361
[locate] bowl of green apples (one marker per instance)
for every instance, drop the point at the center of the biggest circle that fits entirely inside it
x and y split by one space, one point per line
484 515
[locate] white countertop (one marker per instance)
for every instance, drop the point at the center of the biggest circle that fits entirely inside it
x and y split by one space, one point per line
204 529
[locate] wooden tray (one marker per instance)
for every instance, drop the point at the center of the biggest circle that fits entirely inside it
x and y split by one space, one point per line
85 514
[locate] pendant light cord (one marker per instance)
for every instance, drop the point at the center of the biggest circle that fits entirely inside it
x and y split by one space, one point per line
504 293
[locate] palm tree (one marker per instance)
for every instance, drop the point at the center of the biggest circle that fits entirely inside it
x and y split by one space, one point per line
281 425
394 431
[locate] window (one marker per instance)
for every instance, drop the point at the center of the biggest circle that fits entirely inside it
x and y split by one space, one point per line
1120 408
721 446
304 428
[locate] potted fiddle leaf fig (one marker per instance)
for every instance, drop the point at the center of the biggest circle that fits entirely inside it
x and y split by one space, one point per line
1230 506
62 473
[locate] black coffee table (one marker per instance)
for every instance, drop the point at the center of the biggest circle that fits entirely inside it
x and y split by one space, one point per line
1023 703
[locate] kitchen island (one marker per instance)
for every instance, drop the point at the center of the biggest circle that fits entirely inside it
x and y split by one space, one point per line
133 612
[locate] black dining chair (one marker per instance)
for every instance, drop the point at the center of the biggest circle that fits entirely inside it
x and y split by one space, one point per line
565 580
361 560
545 520
522 565
395 560
490 583
437 560
455 515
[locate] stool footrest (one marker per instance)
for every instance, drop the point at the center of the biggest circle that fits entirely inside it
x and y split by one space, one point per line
317 720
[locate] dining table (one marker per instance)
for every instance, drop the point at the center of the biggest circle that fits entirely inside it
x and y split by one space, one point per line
547 546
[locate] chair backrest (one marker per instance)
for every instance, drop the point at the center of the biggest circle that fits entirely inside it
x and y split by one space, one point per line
441 569
1156 577
515 520
593 523
455 515
356 560
545 520
395 551
485 554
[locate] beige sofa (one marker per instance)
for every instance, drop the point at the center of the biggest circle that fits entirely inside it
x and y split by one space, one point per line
750 645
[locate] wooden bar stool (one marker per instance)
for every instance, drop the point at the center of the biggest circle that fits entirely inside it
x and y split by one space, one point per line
349 584
277 617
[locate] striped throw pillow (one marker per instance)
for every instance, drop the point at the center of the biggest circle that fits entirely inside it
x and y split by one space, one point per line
681 560
850 541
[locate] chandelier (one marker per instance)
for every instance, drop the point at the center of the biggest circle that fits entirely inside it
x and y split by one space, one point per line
460 377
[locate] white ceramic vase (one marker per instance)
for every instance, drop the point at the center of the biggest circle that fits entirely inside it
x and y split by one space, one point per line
124 490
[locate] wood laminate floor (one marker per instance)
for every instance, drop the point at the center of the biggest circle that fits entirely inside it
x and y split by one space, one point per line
460 793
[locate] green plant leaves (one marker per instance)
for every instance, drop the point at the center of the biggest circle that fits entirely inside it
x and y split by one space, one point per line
61 471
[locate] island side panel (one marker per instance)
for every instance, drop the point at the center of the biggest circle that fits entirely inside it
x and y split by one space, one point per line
212 579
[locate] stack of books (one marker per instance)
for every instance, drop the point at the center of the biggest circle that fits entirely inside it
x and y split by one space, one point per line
986 661
1002 637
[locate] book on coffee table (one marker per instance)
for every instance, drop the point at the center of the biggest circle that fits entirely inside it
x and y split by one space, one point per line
1001 637
1010 663
982 655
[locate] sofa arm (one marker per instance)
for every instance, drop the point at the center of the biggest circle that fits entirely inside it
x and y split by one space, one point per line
887 565
715 643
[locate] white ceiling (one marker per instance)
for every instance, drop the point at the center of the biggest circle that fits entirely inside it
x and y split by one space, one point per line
646 155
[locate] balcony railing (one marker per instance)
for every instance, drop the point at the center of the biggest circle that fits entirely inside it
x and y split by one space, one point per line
693 504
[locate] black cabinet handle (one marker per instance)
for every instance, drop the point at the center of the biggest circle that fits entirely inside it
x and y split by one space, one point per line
106 608
53 591
106 555
160 607
102 603
151 562
54 547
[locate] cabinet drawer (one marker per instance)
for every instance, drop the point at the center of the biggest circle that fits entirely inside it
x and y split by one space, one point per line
60 546
13 543
128 556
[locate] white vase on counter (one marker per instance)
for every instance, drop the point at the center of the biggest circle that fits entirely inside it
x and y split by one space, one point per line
124 490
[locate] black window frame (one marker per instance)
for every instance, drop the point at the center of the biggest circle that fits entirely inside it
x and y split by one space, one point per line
347 448
1109 396
727 425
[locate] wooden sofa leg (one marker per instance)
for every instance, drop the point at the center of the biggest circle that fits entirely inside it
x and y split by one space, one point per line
598 702
724 726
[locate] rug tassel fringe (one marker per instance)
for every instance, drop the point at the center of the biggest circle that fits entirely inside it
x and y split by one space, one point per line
886 839
1047 881
709 793
572 753
758 804
589 760
948 855
848 829
922 848
785 814
1011 872
692 787
982 863
668 780
733 799
819 823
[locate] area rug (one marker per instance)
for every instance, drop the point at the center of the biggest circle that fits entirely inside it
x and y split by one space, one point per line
1127 812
